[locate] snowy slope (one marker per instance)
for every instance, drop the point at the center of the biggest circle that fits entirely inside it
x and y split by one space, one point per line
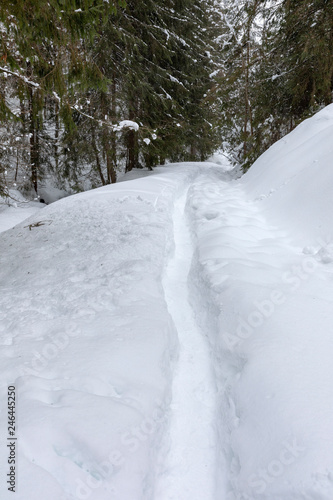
293 179
87 339
265 263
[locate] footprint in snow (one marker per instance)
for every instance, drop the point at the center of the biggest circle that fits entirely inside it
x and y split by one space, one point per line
211 215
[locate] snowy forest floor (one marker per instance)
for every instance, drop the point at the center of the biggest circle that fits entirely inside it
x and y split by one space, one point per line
169 337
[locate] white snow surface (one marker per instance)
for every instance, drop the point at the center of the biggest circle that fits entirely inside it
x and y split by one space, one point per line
16 209
170 336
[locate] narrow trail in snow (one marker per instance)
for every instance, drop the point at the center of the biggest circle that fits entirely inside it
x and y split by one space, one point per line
189 461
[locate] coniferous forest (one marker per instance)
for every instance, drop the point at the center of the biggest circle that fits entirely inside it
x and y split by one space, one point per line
92 88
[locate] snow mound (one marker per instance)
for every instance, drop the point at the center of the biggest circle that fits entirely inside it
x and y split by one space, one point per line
262 288
292 181
87 340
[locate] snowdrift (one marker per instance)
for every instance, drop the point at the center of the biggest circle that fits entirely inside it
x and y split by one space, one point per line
87 340
292 181
264 258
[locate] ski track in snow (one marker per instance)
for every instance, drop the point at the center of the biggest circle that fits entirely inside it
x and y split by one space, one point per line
189 449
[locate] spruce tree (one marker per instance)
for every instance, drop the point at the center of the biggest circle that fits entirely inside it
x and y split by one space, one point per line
43 48
307 37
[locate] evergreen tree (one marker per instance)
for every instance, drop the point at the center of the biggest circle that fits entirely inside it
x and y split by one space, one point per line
307 38
43 48
155 61
241 51
276 68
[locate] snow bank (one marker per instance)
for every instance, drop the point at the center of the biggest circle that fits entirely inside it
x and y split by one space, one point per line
262 286
87 340
292 181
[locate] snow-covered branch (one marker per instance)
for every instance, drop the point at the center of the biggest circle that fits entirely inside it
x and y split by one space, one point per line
21 77
116 128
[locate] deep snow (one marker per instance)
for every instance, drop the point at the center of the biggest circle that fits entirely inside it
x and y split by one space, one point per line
154 366
15 209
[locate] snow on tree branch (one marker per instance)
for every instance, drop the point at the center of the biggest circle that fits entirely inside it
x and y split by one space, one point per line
116 128
21 77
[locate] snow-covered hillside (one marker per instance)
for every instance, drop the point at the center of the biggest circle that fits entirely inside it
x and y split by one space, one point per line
265 258
292 181
169 337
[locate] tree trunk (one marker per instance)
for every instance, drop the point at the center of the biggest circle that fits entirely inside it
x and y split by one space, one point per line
33 133
111 162
110 145
98 161
192 152
245 106
132 143
56 135
131 150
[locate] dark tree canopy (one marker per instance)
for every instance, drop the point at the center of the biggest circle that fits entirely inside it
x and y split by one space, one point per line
91 87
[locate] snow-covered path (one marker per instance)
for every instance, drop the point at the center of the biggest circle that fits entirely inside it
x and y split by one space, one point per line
189 449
